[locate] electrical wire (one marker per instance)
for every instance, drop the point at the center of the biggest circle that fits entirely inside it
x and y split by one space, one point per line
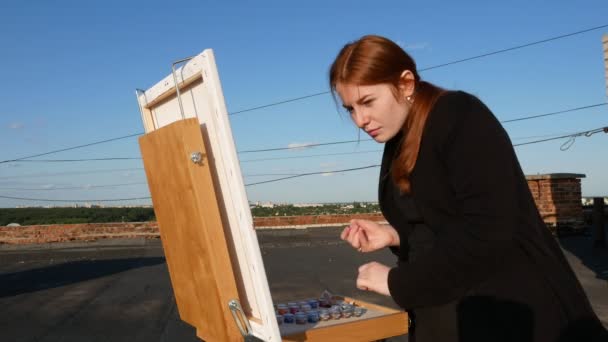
89 200
587 133
310 156
555 113
572 135
69 173
327 92
141 198
284 148
313 173
81 187
517 47
448 63
76 160
70 148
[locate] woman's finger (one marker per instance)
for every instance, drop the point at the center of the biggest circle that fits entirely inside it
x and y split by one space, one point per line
344 233
357 240
352 237
362 282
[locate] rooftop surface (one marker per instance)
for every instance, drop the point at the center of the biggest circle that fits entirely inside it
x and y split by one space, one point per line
119 290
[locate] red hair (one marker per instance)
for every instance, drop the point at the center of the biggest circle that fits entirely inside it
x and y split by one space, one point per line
375 60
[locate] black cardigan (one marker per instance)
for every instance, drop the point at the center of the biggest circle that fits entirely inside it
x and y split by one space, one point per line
490 239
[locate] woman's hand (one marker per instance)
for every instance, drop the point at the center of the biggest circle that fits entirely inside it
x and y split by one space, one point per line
369 236
373 276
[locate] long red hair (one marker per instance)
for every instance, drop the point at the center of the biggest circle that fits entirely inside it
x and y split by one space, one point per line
375 60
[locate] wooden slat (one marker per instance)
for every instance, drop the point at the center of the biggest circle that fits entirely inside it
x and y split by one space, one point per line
191 230
172 91
394 324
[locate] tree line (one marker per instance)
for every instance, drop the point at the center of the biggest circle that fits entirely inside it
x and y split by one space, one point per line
37 216
34 216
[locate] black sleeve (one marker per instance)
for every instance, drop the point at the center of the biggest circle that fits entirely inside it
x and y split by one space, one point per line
402 250
482 172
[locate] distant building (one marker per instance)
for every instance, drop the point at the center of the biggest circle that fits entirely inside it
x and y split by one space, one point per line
589 200
307 205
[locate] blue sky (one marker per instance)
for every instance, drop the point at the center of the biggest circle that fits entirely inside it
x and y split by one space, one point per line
70 69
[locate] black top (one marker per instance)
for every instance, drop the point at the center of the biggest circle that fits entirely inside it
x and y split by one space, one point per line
489 249
407 216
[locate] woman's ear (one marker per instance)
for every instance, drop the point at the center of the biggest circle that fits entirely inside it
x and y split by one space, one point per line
407 83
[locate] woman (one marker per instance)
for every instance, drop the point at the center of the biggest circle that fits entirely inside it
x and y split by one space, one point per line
475 260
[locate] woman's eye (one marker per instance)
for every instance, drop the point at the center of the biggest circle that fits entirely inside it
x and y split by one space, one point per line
368 103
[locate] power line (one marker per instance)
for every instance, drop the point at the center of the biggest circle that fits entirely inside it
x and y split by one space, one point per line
291 147
327 92
77 160
70 173
313 173
446 64
552 137
69 148
537 136
517 47
89 200
279 103
572 136
303 146
88 186
310 156
141 198
81 187
555 113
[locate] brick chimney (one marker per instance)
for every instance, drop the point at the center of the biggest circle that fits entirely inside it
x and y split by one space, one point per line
558 198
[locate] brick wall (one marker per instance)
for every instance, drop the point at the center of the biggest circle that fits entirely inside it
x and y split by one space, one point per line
93 231
312 220
558 199
557 196
81 232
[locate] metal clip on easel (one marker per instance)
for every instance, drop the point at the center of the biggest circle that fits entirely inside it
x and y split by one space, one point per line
179 98
239 318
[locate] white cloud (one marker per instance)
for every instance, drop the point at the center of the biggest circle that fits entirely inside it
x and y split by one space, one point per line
328 174
15 125
299 146
48 186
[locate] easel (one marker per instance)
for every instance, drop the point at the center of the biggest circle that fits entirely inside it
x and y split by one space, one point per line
205 223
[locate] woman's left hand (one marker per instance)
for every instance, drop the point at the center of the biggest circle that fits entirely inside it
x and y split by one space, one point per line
373 276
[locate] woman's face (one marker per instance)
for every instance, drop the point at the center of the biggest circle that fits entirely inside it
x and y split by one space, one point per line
374 108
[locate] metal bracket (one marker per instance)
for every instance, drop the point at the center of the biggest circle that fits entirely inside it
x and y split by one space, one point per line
241 320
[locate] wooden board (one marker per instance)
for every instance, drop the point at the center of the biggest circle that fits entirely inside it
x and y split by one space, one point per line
191 230
377 323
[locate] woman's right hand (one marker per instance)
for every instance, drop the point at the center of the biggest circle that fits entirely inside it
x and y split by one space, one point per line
369 236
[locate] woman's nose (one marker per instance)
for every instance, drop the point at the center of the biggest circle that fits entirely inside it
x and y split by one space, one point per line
361 119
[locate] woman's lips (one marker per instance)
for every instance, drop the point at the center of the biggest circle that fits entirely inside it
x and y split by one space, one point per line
374 132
